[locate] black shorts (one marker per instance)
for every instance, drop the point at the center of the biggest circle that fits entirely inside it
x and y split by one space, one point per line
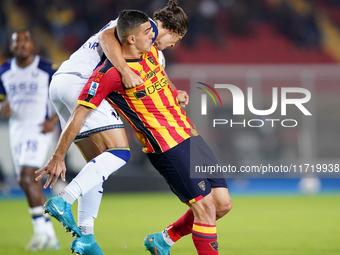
175 164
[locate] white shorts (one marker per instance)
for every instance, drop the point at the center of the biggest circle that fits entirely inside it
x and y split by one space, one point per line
64 92
31 150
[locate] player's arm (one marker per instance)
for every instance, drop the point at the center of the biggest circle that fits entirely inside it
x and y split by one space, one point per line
56 165
113 52
49 124
5 108
182 97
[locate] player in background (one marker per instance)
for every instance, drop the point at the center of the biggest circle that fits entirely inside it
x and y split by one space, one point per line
103 133
24 82
163 129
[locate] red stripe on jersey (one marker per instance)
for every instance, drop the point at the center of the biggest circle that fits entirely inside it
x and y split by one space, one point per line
154 79
175 94
150 106
177 137
145 66
141 87
162 120
141 117
148 144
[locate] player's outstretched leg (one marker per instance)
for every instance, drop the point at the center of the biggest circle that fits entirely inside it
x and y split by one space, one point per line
58 208
156 245
84 245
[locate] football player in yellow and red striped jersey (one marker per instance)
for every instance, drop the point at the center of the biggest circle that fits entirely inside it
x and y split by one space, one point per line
171 142
166 134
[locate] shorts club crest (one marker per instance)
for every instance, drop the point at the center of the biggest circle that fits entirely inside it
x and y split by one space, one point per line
202 185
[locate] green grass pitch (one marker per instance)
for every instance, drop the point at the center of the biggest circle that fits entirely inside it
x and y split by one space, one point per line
257 225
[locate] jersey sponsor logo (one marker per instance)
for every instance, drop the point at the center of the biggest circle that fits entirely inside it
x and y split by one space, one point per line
150 74
155 87
23 89
93 88
140 94
214 245
202 185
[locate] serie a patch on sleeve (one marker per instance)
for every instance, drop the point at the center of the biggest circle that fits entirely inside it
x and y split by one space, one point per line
93 88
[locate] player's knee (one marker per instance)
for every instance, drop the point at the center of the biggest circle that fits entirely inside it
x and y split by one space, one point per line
26 177
204 210
122 153
223 208
127 155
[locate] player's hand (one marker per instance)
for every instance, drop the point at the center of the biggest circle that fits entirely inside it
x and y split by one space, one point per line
47 126
54 168
131 79
5 109
183 98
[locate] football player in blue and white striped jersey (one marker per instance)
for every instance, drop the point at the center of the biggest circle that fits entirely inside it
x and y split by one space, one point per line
24 84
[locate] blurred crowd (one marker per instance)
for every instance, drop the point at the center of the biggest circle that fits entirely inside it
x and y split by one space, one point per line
70 23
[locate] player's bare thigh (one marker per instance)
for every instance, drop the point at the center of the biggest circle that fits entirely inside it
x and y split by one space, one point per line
88 148
101 141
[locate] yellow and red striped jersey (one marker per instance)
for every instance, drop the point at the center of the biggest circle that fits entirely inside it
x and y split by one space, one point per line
152 108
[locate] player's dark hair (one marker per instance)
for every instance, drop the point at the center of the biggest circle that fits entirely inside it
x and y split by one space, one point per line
129 20
173 18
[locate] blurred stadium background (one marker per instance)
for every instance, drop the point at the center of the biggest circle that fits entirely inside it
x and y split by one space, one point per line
249 43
